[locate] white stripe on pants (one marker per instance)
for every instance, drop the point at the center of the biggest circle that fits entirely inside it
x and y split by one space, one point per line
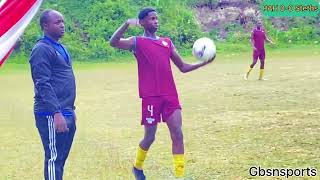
53 149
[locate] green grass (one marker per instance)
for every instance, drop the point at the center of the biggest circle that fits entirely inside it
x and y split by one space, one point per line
229 124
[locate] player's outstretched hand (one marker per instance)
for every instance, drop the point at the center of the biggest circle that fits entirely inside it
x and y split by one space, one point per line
133 22
210 61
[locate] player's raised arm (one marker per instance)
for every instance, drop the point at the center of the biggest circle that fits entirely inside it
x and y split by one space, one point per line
185 67
117 41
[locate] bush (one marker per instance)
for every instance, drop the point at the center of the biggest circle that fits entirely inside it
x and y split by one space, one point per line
91 23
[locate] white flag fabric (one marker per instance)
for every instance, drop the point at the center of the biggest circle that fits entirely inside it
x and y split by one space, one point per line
15 15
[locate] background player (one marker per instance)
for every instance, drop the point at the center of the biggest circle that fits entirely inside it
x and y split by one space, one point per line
258 36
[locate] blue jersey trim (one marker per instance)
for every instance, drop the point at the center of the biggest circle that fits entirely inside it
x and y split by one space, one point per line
134 44
60 48
47 113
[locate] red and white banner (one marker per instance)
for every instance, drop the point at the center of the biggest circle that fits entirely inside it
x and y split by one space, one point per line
15 15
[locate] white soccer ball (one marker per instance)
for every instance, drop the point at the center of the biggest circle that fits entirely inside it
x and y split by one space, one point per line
204 49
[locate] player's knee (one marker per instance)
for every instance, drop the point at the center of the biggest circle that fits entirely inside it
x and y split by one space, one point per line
149 139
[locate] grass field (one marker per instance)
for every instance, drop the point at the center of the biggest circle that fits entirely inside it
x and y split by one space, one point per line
229 124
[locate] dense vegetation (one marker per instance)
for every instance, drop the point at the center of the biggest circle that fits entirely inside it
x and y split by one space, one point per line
90 24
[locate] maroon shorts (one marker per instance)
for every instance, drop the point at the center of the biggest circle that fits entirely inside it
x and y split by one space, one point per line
259 53
156 108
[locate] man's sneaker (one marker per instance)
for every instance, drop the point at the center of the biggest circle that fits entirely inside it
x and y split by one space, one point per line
138 174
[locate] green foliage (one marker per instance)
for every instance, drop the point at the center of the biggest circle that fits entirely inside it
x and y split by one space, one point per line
298 33
91 23
29 38
178 22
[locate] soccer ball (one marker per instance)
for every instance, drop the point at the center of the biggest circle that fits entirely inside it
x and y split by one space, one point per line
204 49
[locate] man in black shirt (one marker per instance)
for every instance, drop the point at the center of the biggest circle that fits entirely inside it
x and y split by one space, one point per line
55 92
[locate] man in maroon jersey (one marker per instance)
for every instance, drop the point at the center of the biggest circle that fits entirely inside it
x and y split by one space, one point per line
156 85
258 36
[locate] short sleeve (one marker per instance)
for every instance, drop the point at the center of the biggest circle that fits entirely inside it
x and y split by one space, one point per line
172 47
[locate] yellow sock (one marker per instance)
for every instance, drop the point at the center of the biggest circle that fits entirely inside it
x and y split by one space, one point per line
261 73
250 69
179 165
141 156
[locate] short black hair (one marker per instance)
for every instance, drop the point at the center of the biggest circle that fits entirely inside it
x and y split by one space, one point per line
144 12
44 17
